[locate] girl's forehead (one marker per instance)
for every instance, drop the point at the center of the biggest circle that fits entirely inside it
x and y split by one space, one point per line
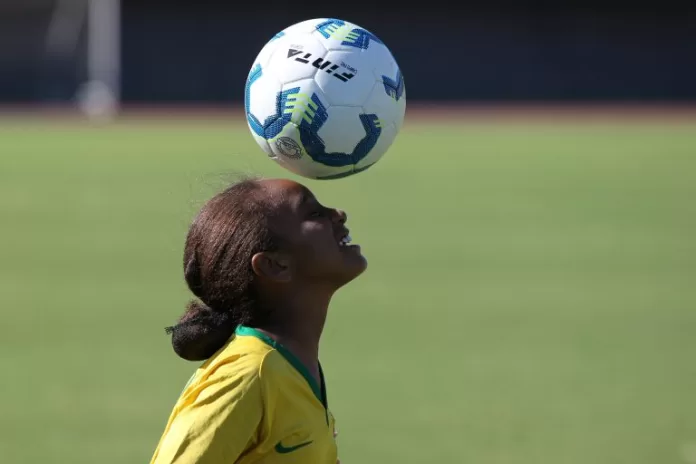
286 192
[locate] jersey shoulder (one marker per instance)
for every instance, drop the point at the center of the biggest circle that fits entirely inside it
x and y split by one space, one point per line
241 360
249 360
274 367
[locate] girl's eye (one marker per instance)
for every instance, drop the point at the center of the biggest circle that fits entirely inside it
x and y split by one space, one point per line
316 214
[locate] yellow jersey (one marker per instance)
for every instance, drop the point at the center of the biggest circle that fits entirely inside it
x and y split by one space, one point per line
252 402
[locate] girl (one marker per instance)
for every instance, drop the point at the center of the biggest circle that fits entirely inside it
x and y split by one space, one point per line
263 258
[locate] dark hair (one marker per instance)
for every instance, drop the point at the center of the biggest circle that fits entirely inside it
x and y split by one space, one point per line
229 229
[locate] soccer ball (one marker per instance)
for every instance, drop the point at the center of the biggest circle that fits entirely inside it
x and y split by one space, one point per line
325 99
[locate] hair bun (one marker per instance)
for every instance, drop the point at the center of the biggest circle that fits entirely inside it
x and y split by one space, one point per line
200 332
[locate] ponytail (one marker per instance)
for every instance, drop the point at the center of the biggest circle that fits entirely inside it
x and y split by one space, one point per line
227 232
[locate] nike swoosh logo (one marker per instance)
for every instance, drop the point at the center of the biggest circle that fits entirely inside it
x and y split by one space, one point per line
283 450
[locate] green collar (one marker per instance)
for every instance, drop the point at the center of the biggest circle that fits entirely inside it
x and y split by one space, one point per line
319 390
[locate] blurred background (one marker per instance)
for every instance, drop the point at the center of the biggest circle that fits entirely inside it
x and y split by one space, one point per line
531 234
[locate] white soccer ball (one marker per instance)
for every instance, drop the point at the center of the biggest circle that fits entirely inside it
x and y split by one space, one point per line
325 99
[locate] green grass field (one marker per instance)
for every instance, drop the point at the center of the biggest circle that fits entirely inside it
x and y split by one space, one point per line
531 296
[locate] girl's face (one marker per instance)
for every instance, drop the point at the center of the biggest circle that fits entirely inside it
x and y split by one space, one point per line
314 237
